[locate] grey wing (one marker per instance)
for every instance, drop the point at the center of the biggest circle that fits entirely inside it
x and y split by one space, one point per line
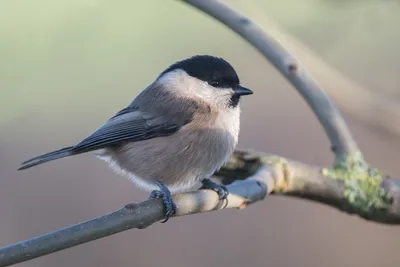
145 118
135 123
129 125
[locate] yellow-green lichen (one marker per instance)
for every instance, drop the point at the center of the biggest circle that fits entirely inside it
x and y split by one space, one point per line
363 189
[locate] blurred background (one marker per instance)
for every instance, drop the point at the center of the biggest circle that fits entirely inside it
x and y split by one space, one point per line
68 65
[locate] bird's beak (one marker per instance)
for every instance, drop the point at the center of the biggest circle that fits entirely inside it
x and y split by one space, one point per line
240 90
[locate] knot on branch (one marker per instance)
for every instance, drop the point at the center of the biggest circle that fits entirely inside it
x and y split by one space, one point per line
240 166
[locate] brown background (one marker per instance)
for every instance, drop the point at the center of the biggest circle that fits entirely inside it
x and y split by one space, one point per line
68 66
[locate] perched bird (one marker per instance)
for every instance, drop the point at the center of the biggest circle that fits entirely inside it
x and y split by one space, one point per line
178 131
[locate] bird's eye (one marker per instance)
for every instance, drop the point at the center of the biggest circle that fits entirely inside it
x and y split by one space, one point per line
213 82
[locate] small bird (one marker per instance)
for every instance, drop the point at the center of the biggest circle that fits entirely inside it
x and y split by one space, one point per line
178 131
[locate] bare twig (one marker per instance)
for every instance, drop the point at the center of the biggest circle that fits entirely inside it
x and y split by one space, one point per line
328 114
137 216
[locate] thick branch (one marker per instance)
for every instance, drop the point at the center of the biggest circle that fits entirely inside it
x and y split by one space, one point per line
350 193
328 114
268 174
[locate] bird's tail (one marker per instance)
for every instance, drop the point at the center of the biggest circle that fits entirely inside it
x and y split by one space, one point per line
61 153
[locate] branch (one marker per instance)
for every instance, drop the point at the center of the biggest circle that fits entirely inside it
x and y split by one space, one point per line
268 174
366 190
326 111
137 216
378 111
351 185
370 195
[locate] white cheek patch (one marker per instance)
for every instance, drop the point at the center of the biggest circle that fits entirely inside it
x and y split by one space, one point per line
184 84
220 97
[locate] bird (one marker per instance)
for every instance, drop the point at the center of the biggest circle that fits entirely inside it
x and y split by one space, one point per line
178 131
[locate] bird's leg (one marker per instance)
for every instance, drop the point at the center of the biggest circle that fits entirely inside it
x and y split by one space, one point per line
220 189
166 196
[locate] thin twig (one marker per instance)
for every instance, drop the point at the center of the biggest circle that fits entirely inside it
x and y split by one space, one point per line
326 111
138 216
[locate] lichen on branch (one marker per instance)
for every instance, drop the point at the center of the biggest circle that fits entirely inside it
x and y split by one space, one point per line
363 185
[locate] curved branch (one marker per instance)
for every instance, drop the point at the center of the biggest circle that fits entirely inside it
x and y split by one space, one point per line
374 109
351 192
326 111
268 174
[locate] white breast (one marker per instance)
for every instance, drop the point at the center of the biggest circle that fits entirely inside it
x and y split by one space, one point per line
229 120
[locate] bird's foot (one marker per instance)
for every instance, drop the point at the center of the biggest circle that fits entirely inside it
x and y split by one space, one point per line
165 195
219 189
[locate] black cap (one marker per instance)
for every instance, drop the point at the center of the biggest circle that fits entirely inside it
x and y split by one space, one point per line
213 70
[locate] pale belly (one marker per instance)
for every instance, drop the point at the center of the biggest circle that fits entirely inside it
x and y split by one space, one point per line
179 161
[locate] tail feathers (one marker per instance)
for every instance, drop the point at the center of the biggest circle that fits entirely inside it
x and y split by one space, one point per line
61 153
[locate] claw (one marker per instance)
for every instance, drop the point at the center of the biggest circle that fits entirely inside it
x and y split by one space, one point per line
219 189
165 195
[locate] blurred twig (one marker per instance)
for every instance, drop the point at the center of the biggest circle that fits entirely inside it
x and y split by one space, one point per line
351 185
326 111
378 111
